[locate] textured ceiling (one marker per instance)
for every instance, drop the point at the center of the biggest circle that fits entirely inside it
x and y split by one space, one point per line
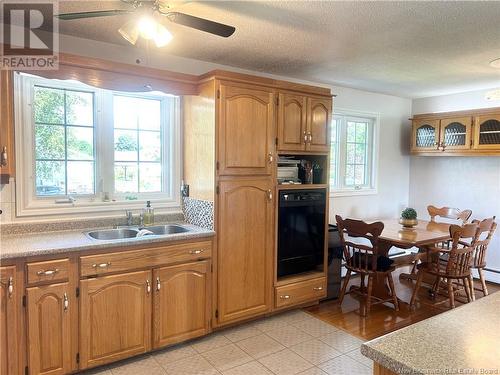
409 48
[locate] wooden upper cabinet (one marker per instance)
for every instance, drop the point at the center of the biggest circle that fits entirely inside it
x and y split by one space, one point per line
245 129
245 250
456 133
319 111
425 136
292 122
487 132
8 321
181 303
6 124
50 330
115 317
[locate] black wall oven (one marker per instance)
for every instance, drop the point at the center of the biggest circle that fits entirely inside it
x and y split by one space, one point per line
301 231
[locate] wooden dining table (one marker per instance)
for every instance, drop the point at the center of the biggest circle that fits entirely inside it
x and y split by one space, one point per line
395 235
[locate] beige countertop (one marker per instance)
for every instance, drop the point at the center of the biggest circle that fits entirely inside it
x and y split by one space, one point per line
46 243
465 340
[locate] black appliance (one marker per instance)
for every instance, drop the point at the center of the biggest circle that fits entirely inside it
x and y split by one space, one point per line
334 262
301 231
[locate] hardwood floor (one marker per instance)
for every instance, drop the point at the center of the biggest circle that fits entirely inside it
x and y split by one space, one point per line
384 319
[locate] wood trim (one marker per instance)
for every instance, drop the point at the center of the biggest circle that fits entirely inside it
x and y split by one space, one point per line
465 113
264 81
9 320
7 122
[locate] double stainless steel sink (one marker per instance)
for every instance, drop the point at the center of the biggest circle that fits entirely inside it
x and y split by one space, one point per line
135 232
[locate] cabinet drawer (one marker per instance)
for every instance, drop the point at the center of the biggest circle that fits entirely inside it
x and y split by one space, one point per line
52 270
136 259
303 291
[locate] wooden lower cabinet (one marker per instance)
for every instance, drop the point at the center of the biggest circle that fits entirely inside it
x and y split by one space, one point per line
245 248
50 329
8 321
181 303
115 317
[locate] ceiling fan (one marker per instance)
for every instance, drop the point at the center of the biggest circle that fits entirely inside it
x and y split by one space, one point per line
148 23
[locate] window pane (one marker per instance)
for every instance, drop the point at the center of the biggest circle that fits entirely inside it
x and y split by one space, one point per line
80 177
334 131
359 175
126 145
50 178
49 142
351 131
349 175
150 146
80 143
150 177
350 153
126 178
360 153
48 105
149 115
79 108
361 132
133 113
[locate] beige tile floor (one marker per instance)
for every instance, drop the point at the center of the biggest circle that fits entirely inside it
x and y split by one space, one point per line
287 344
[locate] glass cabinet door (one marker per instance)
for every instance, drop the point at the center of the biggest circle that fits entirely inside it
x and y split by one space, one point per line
455 134
425 135
487 132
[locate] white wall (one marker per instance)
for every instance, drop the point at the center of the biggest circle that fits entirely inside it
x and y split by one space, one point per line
462 182
393 179
393 162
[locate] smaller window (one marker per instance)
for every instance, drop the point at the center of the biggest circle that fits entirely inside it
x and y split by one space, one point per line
352 157
64 142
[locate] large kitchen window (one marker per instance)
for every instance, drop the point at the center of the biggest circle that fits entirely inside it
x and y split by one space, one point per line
353 154
95 149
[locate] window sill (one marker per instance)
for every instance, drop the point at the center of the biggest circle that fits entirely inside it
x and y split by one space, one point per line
352 192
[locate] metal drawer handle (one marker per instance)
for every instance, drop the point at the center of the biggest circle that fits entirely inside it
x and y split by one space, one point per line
286 296
3 157
148 286
318 288
270 195
310 137
270 158
47 272
10 286
101 265
305 137
195 252
66 302
158 284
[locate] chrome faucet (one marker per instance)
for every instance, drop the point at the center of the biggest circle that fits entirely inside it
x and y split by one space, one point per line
129 217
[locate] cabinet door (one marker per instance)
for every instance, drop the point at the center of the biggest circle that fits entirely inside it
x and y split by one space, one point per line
8 321
181 303
292 127
425 136
318 124
487 132
115 317
246 130
245 250
49 310
456 133
6 123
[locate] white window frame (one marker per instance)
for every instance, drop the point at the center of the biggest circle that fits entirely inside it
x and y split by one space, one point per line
373 153
29 204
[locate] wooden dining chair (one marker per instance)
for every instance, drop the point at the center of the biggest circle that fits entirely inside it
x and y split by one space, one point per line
446 213
452 263
364 259
449 213
486 229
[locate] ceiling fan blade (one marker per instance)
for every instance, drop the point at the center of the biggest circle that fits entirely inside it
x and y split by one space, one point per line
201 24
97 13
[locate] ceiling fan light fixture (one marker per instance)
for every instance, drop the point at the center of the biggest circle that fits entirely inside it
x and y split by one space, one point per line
147 27
129 32
162 37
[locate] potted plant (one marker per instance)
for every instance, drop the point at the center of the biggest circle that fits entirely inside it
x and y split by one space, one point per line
408 218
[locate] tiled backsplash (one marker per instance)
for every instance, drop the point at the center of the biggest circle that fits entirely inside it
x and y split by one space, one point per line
199 212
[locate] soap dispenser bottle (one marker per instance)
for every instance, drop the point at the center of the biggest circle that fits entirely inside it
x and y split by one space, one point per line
148 214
